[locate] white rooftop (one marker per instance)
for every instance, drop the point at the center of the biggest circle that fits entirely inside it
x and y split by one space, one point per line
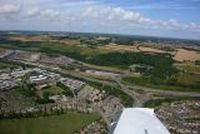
139 121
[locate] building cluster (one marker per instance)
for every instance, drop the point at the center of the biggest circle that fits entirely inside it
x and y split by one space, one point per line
5 52
181 117
90 95
59 98
59 60
25 56
38 58
46 109
74 85
97 127
107 105
10 78
43 78
84 94
111 107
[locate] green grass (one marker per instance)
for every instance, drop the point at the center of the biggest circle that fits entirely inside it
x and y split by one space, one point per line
54 90
17 97
59 124
159 84
157 102
189 67
190 73
188 78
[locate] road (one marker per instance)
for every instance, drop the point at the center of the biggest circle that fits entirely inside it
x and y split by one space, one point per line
143 94
140 94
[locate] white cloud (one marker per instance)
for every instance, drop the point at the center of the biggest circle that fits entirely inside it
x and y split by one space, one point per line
127 16
117 14
9 8
43 14
32 12
93 13
50 13
110 13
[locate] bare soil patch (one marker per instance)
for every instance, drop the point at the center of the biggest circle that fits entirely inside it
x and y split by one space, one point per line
186 55
70 42
120 48
152 50
30 38
42 38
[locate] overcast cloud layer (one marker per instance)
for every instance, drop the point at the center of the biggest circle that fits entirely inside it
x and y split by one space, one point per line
172 19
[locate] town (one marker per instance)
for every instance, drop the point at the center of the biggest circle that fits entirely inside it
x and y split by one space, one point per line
71 94
37 84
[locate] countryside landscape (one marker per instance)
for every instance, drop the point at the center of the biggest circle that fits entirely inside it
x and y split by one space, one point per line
87 79
99 67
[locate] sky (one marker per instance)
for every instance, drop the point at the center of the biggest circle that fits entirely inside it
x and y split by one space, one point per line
163 18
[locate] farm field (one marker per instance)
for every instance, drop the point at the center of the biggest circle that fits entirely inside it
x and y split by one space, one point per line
188 67
115 56
186 55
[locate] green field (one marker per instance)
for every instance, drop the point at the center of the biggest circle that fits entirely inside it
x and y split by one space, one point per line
19 98
163 74
53 90
157 102
59 124
161 84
